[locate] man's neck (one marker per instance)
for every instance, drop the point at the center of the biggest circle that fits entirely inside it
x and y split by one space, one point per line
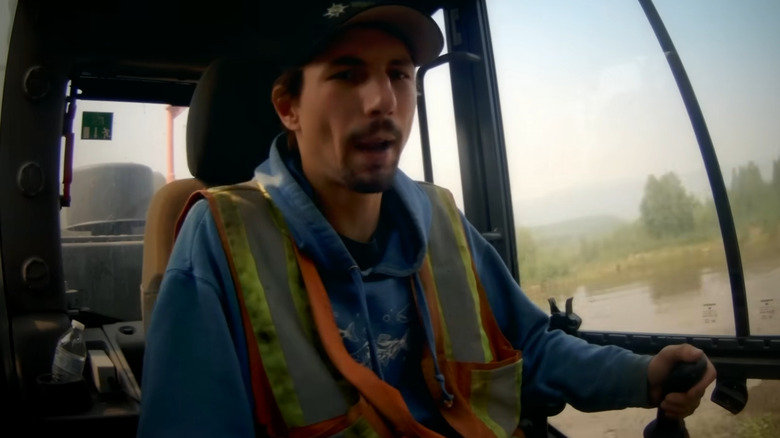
353 215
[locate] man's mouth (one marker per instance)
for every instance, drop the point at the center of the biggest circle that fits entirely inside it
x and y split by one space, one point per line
374 144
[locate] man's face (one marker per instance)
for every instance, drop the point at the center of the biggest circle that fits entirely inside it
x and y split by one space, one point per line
355 111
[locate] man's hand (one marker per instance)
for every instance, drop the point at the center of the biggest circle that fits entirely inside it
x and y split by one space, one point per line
677 404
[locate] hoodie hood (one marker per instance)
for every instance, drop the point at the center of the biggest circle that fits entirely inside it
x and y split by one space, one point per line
282 176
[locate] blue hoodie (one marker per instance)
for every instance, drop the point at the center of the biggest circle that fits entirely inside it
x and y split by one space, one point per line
196 374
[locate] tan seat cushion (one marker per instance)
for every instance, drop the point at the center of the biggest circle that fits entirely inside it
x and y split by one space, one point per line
164 211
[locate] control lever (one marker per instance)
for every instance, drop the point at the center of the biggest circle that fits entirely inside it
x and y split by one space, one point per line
569 322
683 377
730 394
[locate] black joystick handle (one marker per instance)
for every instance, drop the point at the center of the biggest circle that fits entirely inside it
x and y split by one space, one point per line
683 377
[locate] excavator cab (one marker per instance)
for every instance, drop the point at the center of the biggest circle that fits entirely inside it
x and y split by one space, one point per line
620 158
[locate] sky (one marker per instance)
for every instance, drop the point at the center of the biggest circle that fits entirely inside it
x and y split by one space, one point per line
589 105
589 102
590 108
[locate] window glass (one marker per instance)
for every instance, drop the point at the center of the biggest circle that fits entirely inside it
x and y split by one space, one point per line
730 53
611 198
441 131
7 13
123 153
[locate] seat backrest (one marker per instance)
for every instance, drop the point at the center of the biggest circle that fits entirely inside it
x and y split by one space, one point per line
230 126
161 218
231 122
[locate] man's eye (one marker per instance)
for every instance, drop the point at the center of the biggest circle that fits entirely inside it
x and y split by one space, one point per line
345 75
399 74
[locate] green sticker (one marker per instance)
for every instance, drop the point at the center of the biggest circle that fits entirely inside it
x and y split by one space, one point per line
96 126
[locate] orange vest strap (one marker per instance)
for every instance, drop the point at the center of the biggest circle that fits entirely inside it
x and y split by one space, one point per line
322 429
503 348
333 426
266 413
378 395
374 419
458 415
194 197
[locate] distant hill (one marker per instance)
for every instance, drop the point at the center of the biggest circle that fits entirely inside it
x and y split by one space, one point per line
574 229
617 199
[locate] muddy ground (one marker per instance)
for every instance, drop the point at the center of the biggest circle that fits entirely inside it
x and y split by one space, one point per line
759 419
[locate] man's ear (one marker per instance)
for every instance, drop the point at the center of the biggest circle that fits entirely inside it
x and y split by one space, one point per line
285 107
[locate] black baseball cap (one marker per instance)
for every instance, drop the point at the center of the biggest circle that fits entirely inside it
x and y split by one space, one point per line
321 21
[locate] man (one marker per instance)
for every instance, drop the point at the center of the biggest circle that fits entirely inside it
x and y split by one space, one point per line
333 295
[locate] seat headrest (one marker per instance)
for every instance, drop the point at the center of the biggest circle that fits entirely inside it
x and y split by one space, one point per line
231 121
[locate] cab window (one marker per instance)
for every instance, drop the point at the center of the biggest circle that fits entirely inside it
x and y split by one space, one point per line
612 202
445 160
123 153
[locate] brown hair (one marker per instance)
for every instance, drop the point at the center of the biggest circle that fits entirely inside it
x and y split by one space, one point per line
291 83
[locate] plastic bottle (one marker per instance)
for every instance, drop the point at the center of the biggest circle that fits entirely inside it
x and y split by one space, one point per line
70 355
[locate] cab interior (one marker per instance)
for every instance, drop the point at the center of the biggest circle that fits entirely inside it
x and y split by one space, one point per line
76 243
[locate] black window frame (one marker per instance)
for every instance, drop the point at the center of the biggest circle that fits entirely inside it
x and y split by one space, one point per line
486 193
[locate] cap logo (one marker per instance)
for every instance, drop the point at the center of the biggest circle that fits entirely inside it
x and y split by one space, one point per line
335 10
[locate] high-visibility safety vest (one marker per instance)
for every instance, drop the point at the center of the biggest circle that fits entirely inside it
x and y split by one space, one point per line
306 384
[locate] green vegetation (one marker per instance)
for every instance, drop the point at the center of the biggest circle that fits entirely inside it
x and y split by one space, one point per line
675 230
667 209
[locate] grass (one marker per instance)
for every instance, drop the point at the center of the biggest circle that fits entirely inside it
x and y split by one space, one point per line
661 261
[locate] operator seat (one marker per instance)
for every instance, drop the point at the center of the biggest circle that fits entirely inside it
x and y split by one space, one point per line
230 126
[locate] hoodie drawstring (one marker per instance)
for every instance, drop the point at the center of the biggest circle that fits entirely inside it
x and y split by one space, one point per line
425 316
372 349
427 328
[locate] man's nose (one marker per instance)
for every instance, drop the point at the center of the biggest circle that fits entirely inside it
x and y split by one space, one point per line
379 96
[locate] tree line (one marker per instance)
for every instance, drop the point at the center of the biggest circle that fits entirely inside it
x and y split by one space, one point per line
667 210
669 215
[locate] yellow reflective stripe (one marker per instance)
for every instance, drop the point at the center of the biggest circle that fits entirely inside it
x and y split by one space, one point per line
359 429
519 389
445 333
259 312
495 396
297 290
479 398
451 277
465 255
300 297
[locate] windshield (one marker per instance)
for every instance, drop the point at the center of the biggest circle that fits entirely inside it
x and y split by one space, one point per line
611 197
123 153
612 202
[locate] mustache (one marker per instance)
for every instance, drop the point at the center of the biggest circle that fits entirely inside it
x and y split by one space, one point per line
377 126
